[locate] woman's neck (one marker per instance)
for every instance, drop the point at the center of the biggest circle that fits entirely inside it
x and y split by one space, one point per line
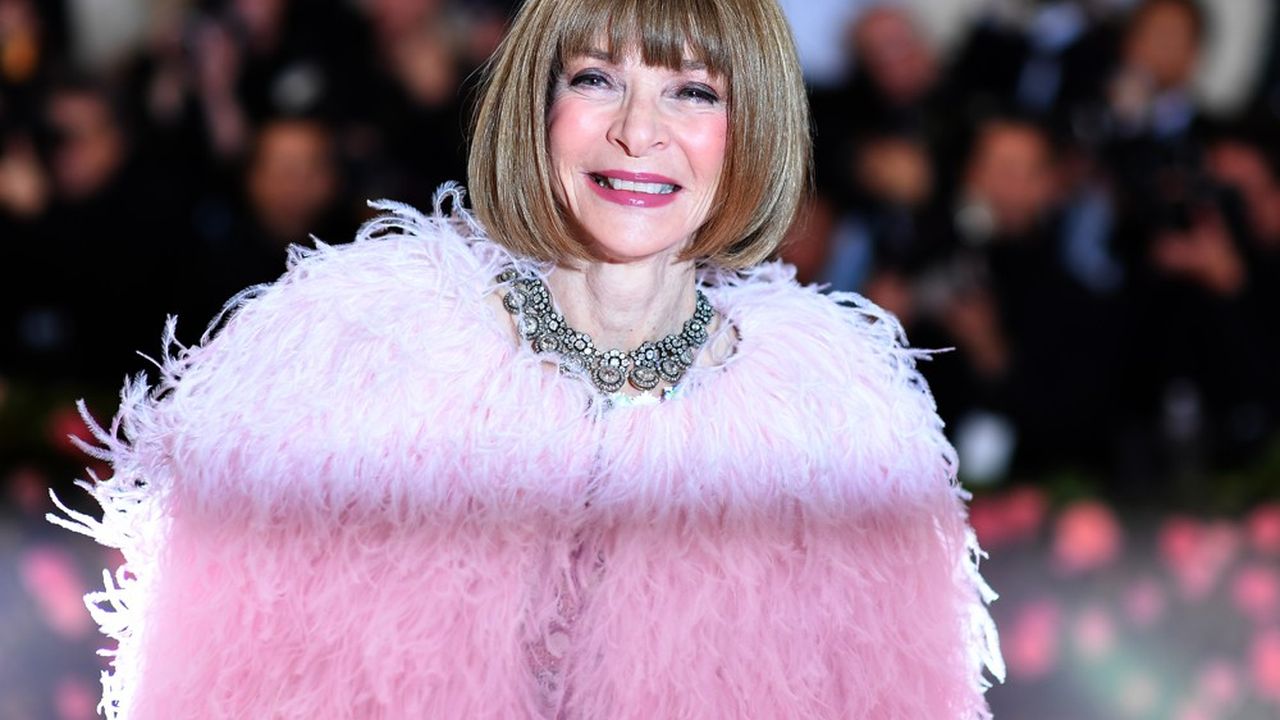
621 305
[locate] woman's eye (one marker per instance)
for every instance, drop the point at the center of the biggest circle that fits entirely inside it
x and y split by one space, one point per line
589 79
700 93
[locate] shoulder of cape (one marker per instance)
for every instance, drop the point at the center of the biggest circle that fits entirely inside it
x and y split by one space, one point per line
840 386
834 348
821 399
400 261
409 285
342 324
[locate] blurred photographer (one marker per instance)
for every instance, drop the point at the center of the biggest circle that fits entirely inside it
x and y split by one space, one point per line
93 226
1035 359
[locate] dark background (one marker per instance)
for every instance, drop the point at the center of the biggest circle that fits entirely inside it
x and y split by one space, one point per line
1052 191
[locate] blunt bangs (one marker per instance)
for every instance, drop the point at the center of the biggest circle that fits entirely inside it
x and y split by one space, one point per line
665 34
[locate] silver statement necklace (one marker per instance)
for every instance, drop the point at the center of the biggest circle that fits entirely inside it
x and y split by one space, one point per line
529 300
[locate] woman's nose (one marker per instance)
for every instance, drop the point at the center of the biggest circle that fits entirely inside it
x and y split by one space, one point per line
639 127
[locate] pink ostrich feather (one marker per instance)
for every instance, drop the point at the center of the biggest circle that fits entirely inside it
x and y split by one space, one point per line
357 497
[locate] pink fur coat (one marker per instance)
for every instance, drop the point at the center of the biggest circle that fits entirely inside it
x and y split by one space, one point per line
359 498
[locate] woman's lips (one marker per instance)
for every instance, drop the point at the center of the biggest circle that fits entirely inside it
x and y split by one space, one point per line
636 177
638 190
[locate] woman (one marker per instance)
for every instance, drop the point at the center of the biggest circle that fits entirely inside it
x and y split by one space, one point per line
592 461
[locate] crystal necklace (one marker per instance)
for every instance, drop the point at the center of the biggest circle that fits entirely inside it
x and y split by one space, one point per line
538 322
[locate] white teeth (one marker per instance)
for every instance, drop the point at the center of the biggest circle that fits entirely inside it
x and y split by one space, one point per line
640 187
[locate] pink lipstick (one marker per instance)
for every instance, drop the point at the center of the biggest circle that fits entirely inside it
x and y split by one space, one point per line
638 190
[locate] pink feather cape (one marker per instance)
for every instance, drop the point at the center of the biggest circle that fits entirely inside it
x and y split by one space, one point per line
359 498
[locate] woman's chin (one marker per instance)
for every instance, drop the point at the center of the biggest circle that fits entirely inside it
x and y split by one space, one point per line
620 252
620 238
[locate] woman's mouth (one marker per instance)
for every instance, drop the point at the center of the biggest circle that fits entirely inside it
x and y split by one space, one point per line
648 188
635 190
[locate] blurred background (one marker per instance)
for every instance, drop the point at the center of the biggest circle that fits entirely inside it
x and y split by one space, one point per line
1080 198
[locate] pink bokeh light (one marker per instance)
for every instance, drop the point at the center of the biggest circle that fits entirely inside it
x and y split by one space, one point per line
1263 527
63 424
1219 685
1024 510
75 699
1031 643
1087 537
1264 664
1094 633
53 581
1198 553
1013 516
1255 591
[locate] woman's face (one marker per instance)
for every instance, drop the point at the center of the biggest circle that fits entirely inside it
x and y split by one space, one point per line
637 152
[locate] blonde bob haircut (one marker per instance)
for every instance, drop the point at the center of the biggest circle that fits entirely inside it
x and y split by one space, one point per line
745 42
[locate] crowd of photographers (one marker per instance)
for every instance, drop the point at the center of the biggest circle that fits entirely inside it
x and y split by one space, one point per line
1052 202
167 180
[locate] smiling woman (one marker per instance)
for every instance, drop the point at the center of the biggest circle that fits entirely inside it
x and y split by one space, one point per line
587 456
746 48
656 123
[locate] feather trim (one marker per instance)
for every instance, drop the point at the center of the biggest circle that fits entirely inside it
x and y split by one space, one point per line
299 486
